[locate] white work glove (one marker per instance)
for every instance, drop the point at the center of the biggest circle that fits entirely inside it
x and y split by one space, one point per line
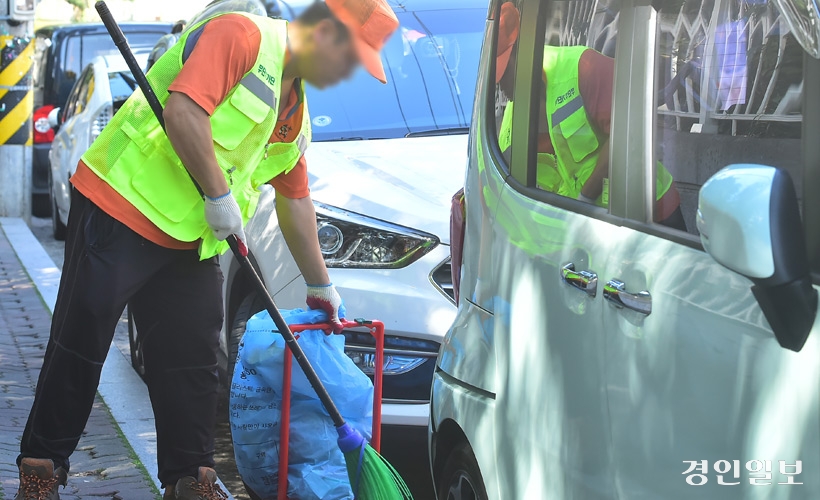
223 216
326 298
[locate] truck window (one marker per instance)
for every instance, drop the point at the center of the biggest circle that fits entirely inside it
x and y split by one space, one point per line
575 105
729 85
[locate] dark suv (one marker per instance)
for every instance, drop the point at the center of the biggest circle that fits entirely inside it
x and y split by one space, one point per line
60 54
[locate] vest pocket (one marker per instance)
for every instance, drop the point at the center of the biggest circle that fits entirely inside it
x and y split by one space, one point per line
251 200
580 137
282 157
236 117
547 176
166 185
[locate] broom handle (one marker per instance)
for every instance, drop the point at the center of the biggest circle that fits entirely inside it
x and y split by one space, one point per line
240 250
122 44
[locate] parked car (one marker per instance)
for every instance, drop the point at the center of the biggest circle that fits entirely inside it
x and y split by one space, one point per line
60 54
102 87
597 354
383 162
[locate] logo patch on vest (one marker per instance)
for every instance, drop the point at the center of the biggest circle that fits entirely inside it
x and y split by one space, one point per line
283 131
263 72
566 97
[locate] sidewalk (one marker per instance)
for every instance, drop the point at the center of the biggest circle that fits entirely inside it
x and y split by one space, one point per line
104 465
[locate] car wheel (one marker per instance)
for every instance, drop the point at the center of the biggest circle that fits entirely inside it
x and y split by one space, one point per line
57 226
249 306
461 479
135 342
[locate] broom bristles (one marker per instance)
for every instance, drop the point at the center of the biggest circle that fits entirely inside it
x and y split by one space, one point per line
371 476
374 478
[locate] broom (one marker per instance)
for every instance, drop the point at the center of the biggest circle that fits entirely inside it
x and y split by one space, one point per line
371 476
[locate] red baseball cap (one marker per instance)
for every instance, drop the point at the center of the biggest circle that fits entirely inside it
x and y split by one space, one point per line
370 22
509 23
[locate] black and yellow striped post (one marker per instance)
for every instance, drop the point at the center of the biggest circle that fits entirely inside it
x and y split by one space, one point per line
16 102
16 99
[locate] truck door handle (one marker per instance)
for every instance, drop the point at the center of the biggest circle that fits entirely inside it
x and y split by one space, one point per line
615 292
586 281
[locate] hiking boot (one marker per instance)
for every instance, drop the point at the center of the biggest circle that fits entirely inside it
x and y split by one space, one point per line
39 480
202 488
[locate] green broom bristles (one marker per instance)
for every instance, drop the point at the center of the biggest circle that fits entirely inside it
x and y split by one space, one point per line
376 479
371 476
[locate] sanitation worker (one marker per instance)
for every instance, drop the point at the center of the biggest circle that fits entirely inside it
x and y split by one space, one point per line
139 232
575 114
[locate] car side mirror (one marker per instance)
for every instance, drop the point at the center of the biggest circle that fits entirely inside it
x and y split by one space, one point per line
749 222
54 117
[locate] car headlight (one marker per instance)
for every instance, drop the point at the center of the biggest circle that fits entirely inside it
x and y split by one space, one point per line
409 364
351 240
100 121
393 365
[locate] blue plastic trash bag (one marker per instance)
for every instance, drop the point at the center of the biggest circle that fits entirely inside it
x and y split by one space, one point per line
316 466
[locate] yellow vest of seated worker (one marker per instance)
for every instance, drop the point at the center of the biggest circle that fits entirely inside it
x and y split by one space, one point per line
576 143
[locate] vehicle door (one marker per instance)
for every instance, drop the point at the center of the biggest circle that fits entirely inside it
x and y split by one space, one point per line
551 424
72 136
703 400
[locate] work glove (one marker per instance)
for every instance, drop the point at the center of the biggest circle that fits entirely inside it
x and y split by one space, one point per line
326 298
223 216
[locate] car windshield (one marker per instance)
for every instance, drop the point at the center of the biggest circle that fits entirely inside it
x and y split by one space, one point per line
122 85
431 64
80 50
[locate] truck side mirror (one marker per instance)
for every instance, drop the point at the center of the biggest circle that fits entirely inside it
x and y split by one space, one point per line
749 222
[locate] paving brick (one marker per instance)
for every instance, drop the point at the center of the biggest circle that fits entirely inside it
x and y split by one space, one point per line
102 465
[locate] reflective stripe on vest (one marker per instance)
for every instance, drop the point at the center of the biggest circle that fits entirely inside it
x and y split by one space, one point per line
134 156
260 89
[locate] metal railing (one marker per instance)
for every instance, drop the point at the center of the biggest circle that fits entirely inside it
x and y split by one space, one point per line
720 60
728 60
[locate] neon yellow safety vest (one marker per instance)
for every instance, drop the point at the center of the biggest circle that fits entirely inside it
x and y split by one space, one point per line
575 140
133 155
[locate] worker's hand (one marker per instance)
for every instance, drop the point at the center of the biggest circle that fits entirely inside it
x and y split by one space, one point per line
326 297
223 216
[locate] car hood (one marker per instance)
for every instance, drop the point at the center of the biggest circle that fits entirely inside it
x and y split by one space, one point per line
408 182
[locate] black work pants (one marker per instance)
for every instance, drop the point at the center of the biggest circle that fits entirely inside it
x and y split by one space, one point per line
176 300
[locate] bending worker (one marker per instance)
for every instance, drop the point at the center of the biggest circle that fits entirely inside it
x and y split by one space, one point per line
139 233
574 122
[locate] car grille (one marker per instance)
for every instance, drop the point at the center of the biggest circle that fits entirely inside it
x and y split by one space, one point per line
442 278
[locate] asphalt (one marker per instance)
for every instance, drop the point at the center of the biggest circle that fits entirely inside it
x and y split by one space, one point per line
104 464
